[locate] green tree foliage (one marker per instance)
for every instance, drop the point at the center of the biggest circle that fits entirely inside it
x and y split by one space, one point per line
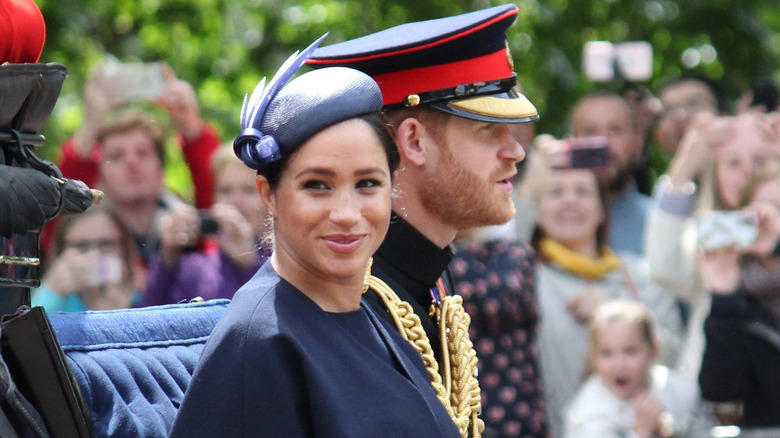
223 47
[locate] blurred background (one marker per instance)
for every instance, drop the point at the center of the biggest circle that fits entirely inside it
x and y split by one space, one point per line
223 47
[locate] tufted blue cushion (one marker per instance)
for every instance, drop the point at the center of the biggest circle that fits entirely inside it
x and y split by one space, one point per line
133 365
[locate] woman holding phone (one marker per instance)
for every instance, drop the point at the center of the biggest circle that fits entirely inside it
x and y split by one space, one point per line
743 325
298 353
576 271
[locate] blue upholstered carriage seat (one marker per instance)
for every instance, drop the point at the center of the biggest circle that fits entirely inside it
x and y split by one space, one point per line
133 365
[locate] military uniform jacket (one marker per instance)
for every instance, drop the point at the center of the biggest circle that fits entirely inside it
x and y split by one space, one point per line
277 365
411 264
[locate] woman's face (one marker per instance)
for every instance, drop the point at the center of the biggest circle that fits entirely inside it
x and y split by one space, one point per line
332 206
95 232
93 249
235 185
570 209
622 356
741 155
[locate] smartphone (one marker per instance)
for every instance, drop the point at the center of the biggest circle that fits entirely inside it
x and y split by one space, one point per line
727 229
583 153
635 60
135 81
598 61
631 60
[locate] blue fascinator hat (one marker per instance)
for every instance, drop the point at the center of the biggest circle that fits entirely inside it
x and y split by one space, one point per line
276 119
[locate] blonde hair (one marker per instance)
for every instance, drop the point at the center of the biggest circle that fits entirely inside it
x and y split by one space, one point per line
710 197
224 156
769 172
620 310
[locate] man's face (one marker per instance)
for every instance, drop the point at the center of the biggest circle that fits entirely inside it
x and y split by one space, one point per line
681 101
468 182
610 117
130 170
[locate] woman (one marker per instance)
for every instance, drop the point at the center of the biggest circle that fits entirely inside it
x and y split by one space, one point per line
577 271
743 325
95 265
298 353
232 249
716 158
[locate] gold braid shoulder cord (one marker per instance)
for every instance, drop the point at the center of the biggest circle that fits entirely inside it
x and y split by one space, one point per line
457 388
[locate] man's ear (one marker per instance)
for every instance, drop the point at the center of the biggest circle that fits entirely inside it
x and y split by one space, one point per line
412 139
266 194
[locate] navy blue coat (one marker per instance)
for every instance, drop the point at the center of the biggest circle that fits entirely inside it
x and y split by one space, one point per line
277 365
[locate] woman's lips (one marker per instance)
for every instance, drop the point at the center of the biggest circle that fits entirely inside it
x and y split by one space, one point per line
343 243
570 217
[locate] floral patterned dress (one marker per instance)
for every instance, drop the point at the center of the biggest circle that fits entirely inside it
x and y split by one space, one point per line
496 281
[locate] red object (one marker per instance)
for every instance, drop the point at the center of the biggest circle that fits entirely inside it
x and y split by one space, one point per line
197 153
429 56
22 31
399 84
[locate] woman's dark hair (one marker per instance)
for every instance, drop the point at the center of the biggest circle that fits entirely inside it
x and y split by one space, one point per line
766 94
602 231
378 125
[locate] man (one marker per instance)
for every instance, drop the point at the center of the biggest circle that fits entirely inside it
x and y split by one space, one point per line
80 155
681 99
130 169
449 93
609 115
130 172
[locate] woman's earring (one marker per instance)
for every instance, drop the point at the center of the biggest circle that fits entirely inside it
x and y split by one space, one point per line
367 276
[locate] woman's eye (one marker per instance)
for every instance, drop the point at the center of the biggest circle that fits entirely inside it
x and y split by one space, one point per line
366 183
314 185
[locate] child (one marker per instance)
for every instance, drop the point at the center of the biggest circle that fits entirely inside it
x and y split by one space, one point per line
627 395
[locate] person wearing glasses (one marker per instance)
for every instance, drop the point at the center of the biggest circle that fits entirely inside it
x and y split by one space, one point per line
94 264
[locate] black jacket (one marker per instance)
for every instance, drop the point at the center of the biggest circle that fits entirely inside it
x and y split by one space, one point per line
739 364
411 264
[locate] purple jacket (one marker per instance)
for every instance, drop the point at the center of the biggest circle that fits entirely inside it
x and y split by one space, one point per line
206 275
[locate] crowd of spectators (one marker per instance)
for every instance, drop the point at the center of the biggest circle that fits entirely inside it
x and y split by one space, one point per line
582 237
597 238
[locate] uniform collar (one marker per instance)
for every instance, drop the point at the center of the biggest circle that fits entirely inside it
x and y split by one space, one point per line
410 252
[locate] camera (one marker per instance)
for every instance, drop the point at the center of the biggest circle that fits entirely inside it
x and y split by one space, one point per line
583 153
208 223
727 229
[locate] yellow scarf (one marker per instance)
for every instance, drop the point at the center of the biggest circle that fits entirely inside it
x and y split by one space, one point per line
579 264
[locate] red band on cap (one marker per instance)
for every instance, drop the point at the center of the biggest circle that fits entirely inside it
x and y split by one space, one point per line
399 84
343 61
